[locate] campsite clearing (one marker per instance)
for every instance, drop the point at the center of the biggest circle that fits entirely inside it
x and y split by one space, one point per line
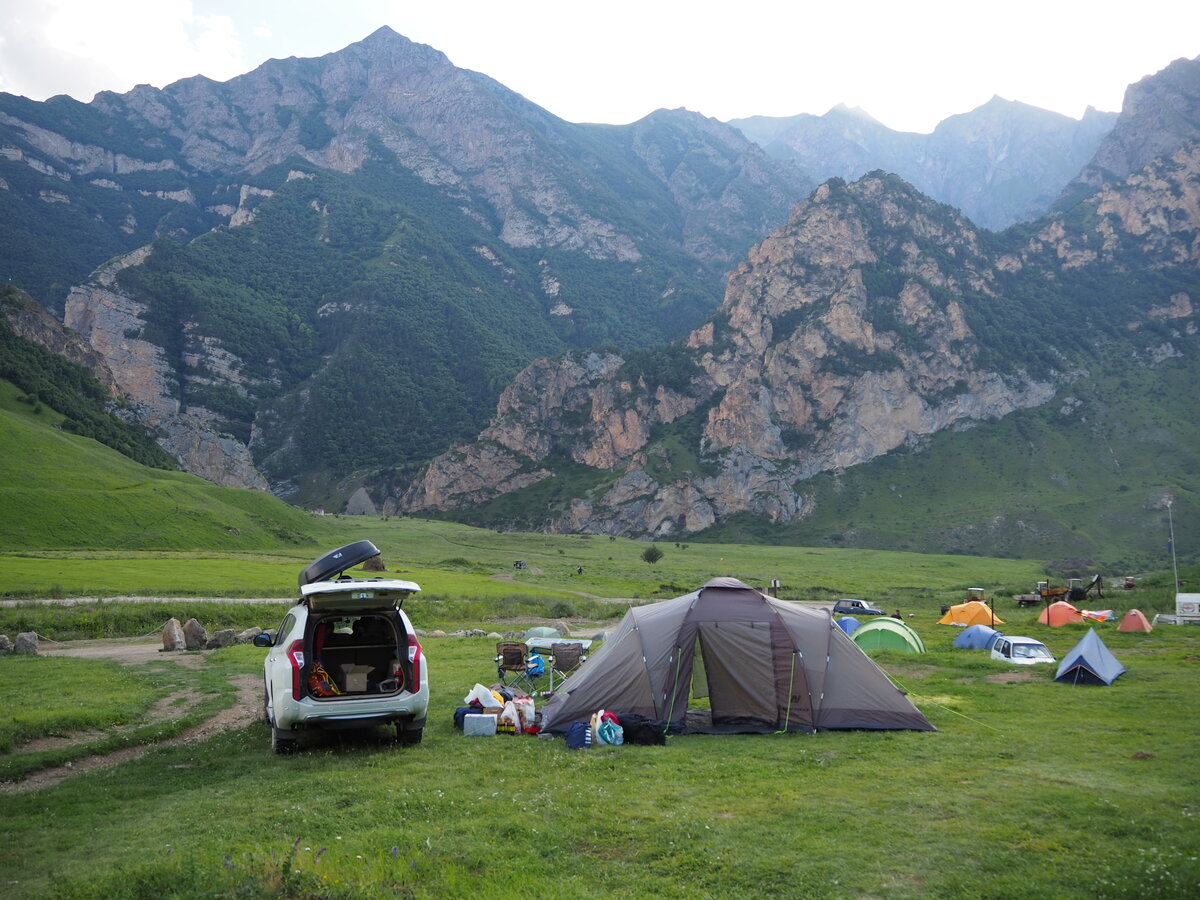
704 816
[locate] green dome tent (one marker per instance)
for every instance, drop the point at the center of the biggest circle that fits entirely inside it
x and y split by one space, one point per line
886 633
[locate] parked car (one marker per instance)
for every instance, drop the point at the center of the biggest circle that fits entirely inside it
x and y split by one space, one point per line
856 608
345 656
1021 651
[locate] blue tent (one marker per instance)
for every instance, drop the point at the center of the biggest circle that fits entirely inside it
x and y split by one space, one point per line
848 624
977 637
1089 662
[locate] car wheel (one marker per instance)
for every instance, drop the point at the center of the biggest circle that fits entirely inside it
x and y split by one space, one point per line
281 743
409 736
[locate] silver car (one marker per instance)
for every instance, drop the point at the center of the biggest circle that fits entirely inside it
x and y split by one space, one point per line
345 656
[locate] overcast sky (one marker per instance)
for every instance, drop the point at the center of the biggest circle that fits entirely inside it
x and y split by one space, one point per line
909 64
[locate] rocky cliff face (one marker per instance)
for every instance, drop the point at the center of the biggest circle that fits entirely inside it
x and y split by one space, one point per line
815 363
30 320
1160 113
110 322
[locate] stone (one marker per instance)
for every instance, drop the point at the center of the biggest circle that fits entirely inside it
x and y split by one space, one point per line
247 636
226 637
172 636
6 645
26 643
194 635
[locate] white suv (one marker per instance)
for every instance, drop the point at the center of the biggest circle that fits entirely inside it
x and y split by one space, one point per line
1022 651
345 655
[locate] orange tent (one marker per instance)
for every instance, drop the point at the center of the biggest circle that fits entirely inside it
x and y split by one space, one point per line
1060 613
971 613
1135 620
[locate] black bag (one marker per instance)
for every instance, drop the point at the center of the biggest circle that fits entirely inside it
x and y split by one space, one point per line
461 713
643 730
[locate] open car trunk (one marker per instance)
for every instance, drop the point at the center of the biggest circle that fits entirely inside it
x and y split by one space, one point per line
355 642
362 653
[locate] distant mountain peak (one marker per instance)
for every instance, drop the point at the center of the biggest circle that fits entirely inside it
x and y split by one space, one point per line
857 112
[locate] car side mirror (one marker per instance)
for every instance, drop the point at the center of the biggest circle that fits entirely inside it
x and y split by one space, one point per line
265 639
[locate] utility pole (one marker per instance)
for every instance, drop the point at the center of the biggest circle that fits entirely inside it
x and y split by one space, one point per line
1171 543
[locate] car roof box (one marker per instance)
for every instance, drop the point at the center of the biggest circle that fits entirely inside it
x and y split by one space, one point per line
337 561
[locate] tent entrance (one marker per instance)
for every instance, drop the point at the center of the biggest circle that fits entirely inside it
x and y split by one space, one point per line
732 666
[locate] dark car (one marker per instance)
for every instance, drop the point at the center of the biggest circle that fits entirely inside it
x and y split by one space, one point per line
856 608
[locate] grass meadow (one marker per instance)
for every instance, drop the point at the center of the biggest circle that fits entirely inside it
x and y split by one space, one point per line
1028 788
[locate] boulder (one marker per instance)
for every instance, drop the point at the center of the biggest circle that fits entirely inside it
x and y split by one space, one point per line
172 636
6 645
27 642
245 637
194 635
226 637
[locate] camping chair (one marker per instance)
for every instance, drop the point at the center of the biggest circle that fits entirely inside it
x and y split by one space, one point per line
512 665
565 658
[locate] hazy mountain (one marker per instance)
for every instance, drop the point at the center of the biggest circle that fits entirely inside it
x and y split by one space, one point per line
1001 163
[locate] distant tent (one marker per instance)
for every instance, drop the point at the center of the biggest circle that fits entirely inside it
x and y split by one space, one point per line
1089 662
971 613
848 624
765 665
886 633
977 637
1135 620
1060 613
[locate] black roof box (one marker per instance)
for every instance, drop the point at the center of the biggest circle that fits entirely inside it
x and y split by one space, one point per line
338 561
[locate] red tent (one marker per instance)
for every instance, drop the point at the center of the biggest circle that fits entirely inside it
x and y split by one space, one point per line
1135 620
1060 613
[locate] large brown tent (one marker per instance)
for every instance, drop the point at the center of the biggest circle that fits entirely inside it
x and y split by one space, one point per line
764 664
1135 620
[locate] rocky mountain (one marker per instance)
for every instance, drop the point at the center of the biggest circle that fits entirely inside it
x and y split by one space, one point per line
875 319
269 245
1002 163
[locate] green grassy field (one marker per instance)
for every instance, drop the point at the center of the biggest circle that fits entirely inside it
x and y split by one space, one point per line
1029 788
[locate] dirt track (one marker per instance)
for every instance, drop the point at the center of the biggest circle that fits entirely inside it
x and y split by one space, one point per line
137 651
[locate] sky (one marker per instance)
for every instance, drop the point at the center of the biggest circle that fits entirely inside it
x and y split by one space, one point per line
908 63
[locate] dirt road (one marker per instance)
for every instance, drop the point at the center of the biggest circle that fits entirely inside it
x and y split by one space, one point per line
137 651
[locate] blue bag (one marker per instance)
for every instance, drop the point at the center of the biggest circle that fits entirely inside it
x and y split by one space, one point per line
579 736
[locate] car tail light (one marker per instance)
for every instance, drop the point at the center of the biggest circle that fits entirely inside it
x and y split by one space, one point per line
414 659
295 654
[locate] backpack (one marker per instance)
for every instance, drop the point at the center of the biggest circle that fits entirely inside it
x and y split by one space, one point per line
320 682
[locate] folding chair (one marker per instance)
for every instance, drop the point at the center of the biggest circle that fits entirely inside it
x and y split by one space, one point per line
565 658
512 665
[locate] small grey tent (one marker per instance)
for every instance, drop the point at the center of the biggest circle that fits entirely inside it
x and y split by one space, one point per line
764 664
1089 662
